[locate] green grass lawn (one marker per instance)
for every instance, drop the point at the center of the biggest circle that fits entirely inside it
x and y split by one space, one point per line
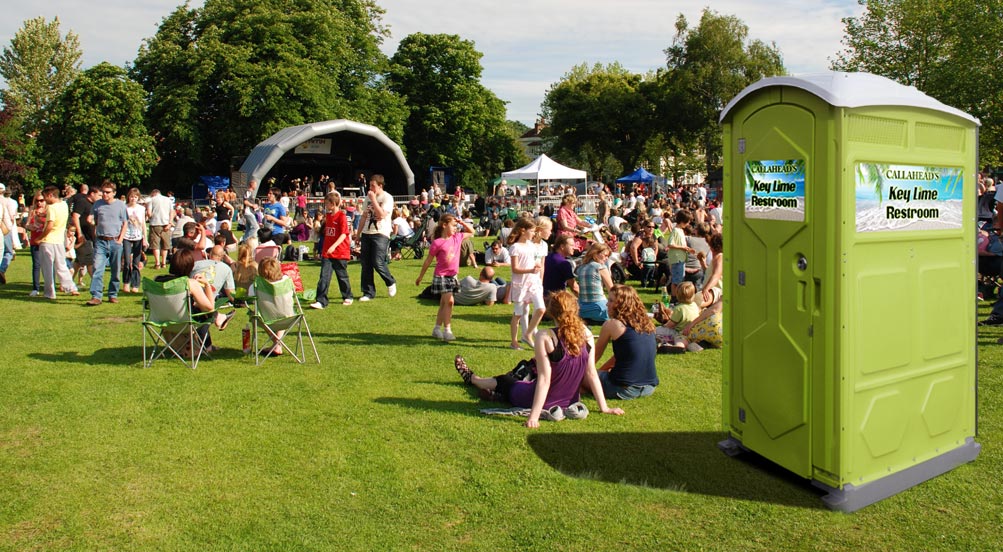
381 448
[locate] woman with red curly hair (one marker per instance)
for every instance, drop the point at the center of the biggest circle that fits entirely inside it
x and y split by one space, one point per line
633 335
564 363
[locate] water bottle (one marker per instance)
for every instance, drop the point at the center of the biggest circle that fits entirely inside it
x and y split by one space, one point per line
666 299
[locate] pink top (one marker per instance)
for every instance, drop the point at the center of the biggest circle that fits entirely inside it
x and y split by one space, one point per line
447 254
301 201
566 218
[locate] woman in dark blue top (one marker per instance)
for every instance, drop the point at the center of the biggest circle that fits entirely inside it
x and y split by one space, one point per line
632 334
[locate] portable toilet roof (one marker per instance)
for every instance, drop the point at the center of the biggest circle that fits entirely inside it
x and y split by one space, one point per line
852 90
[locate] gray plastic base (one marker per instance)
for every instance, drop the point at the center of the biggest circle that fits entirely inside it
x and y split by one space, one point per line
732 447
851 498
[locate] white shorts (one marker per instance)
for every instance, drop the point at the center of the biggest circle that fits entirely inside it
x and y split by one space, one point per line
535 299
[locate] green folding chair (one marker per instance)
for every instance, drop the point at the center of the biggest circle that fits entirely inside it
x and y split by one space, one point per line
169 322
275 309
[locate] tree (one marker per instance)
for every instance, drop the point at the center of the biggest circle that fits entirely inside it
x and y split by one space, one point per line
600 112
14 151
96 130
38 65
950 50
223 77
706 67
453 120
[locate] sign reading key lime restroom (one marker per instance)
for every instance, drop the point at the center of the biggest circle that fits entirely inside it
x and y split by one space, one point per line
774 189
908 197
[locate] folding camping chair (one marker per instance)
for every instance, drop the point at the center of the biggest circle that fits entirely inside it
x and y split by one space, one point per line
169 322
263 252
411 247
275 308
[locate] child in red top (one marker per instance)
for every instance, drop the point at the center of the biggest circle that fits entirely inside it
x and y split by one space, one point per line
446 251
335 253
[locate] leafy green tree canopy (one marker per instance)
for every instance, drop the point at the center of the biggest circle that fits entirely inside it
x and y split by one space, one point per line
706 67
38 65
96 130
225 76
452 120
950 50
13 149
602 116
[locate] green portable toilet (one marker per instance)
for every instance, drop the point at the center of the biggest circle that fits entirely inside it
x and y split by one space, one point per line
849 283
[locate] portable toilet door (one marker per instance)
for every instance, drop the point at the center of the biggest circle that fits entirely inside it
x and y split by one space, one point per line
777 205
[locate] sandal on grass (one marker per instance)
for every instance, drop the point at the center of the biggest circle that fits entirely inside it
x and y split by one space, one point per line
462 369
226 320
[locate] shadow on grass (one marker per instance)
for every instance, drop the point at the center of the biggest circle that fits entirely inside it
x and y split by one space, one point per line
131 355
459 407
679 461
487 317
386 340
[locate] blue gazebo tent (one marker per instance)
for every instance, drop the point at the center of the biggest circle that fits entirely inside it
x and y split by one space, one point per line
208 185
640 175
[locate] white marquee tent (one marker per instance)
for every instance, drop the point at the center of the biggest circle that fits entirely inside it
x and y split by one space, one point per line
545 168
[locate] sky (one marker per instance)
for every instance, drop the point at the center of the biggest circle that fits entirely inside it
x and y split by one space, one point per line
528 45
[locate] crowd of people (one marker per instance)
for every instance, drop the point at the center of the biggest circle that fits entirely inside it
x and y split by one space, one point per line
565 276
990 247
108 235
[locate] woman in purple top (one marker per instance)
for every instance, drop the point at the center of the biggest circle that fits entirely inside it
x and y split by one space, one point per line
565 362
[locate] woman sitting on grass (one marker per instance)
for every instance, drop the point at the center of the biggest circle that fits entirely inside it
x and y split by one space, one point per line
632 369
593 279
564 363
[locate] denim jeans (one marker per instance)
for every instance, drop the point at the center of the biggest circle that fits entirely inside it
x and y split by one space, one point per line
623 392
36 268
250 227
340 269
374 257
132 254
8 250
107 254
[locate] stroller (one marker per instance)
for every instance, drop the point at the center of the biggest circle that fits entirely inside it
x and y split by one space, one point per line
599 233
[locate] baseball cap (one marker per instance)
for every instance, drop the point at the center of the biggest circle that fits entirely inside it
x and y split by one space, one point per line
2 187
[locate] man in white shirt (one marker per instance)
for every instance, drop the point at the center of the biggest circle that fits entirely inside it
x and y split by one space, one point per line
701 195
374 230
497 255
160 213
